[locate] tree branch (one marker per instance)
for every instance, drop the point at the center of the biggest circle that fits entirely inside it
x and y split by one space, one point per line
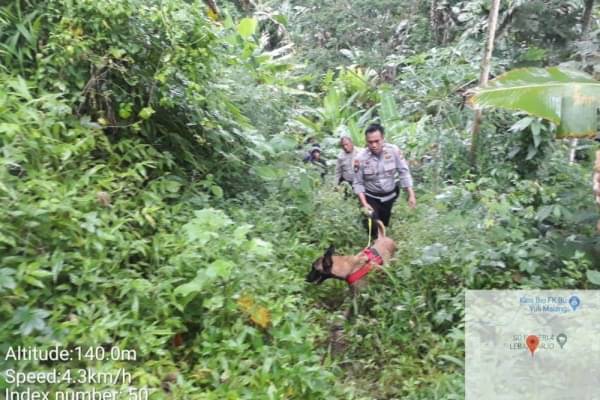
503 28
586 22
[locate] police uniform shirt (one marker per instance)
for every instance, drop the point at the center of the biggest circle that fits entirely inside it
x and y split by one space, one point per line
344 168
375 174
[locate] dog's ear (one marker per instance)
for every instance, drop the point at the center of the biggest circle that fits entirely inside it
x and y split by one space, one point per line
330 250
327 260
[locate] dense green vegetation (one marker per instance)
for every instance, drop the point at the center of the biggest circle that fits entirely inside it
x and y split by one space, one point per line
153 196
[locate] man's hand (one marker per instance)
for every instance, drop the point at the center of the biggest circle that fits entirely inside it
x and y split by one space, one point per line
412 202
366 207
412 199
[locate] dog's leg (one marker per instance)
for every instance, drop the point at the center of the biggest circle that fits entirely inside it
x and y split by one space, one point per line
348 313
354 305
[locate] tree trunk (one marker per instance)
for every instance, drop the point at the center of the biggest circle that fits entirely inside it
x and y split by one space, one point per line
573 150
212 5
247 5
503 28
433 23
585 28
596 183
439 21
483 78
586 23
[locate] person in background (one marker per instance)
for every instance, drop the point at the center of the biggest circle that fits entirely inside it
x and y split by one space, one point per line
313 146
310 143
314 157
344 167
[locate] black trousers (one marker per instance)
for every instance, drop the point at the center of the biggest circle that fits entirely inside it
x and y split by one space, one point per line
382 210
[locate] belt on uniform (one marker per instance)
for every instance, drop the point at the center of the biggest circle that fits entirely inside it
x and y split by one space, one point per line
372 194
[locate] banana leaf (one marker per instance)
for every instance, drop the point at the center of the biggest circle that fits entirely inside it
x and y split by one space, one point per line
568 98
388 112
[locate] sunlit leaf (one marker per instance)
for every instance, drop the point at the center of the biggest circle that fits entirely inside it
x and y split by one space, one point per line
212 15
247 27
246 302
146 112
261 316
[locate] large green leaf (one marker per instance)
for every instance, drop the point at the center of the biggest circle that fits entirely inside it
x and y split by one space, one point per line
593 276
332 106
388 111
577 119
566 97
30 319
6 279
247 27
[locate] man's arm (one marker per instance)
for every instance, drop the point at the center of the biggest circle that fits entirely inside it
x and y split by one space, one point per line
412 199
358 184
323 167
338 171
406 180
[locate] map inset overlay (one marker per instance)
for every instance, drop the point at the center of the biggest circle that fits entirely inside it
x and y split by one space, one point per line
532 344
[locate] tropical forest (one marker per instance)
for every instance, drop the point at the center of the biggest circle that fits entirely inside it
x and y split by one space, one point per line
168 181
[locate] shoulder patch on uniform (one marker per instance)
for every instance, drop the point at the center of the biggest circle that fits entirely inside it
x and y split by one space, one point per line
356 164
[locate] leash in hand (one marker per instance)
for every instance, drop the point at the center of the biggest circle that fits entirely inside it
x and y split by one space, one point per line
369 215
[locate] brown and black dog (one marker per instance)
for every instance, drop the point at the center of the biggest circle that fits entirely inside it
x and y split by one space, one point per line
346 267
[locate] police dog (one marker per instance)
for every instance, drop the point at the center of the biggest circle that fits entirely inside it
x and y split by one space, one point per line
346 267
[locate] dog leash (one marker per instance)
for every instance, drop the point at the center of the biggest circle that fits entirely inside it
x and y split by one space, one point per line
370 223
370 228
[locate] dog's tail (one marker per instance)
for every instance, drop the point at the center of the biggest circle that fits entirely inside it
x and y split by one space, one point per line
380 228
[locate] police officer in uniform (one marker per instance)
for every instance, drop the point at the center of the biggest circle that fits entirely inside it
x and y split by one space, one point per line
375 176
344 169
314 158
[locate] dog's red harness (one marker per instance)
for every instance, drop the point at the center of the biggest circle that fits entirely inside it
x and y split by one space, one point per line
365 269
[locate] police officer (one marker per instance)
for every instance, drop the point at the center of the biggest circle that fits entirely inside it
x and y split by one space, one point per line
375 176
344 169
314 158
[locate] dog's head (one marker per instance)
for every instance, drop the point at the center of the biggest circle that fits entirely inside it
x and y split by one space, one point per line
321 268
